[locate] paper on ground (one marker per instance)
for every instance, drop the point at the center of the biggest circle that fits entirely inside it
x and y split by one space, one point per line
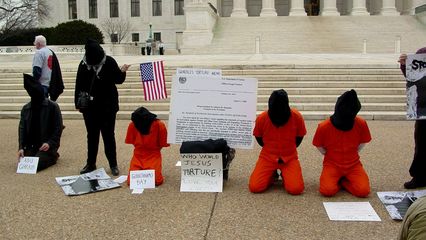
350 211
121 179
137 191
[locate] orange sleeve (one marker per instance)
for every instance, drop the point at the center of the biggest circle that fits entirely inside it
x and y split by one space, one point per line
258 127
365 132
130 136
162 134
317 140
301 128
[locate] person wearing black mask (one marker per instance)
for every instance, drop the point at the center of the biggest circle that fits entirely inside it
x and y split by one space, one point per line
40 126
97 76
148 135
340 138
279 131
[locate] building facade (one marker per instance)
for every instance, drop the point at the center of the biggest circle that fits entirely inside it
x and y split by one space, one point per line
166 20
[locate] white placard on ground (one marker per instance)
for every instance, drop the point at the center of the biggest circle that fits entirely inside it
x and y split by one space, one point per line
27 165
201 172
142 179
351 211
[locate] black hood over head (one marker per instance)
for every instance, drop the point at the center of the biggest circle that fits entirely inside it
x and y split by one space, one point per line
34 90
143 118
345 111
94 52
279 110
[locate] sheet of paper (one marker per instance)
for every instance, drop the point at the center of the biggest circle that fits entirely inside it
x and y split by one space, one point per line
121 179
137 191
350 211
178 163
397 203
27 165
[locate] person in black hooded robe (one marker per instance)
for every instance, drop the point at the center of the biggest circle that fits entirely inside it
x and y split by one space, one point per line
279 131
40 126
340 138
97 75
418 166
148 135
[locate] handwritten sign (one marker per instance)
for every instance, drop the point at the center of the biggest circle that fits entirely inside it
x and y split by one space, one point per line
142 179
28 165
201 172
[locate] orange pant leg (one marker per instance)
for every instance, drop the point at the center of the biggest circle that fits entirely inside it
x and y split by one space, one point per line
329 180
292 177
261 176
356 181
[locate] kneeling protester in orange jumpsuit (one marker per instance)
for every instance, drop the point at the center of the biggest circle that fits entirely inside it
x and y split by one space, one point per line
148 135
340 138
279 131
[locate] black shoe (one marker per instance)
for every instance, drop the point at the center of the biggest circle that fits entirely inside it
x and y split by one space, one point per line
114 171
88 168
414 183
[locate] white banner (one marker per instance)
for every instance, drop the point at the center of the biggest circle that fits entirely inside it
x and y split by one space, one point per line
210 108
201 172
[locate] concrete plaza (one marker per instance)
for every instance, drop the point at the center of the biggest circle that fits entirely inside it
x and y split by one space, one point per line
34 206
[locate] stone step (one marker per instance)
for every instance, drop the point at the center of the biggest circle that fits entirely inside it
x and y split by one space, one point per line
260 99
165 106
308 115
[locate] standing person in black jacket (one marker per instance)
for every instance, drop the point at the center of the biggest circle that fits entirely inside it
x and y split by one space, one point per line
97 75
40 126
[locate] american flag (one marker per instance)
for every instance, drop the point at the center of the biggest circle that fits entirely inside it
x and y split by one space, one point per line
154 84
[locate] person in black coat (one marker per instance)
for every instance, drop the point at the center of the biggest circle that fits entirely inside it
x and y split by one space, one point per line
40 126
97 75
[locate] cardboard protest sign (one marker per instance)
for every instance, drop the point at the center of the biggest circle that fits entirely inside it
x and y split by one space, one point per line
142 179
201 172
416 86
27 165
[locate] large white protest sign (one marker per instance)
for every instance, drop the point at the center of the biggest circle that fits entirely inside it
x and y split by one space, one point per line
201 172
210 108
416 86
142 179
27 165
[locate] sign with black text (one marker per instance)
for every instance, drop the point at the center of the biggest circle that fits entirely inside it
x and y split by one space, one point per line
416 86
201 172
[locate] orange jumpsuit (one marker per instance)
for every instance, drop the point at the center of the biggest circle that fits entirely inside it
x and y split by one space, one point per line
279 143
342 166
147 152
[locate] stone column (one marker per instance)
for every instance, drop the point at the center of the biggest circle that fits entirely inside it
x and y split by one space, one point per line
329 8
388 8
410 6
239 9
359 8
297 8
268 8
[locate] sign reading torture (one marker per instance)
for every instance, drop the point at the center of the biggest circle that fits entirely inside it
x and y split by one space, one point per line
201 172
